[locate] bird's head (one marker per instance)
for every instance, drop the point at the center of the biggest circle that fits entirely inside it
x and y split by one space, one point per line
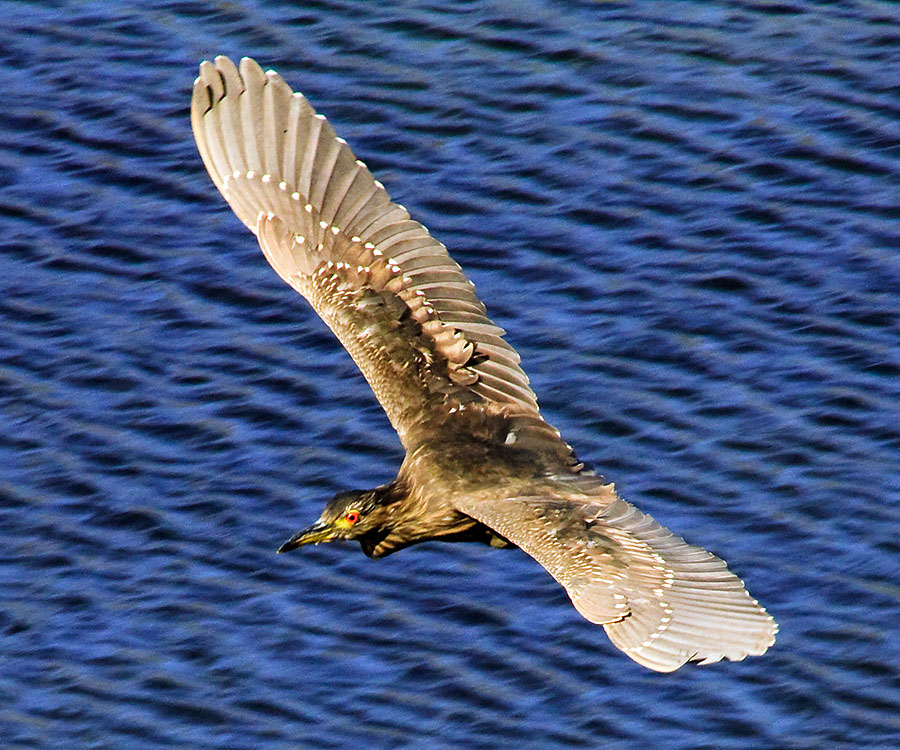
348 515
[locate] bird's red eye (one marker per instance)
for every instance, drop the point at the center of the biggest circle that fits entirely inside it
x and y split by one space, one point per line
352 517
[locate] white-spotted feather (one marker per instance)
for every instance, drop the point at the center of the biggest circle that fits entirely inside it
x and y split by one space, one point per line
269 152
662 601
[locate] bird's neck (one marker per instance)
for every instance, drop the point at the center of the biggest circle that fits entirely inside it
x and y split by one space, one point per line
411 516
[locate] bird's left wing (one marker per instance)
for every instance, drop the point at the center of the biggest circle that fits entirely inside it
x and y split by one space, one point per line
391 293
662 601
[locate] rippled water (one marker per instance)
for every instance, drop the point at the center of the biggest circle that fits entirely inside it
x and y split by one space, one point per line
685 214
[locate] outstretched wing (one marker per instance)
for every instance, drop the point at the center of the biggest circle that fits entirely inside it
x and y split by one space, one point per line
396 300
662 601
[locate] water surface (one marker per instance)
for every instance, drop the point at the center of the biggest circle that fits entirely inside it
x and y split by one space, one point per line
685 215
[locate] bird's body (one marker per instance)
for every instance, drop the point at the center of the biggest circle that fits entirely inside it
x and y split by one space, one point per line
481 462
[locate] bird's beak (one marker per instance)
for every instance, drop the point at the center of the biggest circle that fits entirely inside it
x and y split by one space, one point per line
316 534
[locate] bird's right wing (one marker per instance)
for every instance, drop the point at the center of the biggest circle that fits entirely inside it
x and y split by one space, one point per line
391 293
662 601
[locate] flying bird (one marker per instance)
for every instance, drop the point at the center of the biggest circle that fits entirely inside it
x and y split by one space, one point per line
482 464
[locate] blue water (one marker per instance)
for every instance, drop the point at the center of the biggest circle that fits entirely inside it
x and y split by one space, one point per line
686 216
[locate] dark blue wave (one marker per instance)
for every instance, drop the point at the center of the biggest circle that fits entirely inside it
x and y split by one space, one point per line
685 214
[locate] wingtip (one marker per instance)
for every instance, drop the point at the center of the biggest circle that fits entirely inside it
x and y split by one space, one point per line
249 68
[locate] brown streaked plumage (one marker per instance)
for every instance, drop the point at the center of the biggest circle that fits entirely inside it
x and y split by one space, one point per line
481 462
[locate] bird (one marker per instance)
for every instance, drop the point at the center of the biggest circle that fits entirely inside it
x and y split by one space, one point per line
481 464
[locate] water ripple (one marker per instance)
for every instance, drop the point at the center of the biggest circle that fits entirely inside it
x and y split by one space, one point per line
687 209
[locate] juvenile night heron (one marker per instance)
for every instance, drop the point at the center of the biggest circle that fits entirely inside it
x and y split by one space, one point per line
481 462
